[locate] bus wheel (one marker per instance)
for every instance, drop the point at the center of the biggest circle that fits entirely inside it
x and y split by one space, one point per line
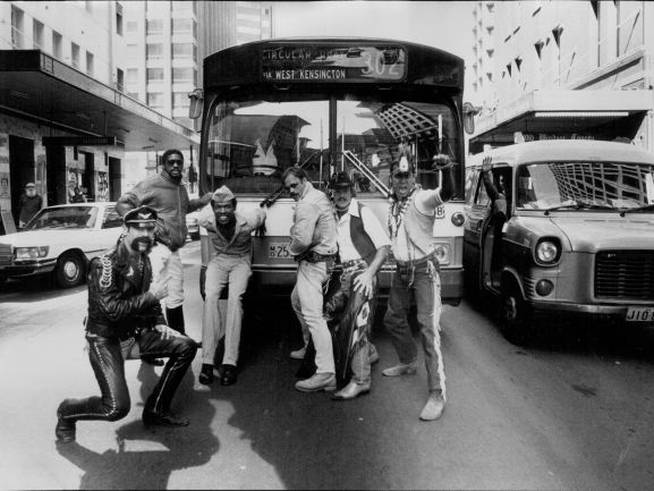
516 316
70 270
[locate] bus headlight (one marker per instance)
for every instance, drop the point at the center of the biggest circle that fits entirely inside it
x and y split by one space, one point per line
458 218
442 253
547 251
31 252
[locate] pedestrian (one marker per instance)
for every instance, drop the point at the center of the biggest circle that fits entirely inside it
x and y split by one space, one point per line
166 193
125 321
29 204
230 245
362 250
411 218
78 196
313 246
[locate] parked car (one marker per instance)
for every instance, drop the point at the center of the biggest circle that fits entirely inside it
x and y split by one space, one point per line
60 240
192 225
578 237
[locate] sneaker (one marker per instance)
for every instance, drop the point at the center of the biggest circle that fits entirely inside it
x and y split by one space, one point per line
319 381
401 369
434 407
298 354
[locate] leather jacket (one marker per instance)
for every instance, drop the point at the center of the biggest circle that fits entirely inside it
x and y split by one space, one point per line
120 304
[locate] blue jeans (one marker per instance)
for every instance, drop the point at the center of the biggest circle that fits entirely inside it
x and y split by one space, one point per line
425 284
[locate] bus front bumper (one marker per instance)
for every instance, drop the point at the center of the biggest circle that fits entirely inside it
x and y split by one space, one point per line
279 281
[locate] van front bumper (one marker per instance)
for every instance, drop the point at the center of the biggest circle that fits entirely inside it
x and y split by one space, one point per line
584 308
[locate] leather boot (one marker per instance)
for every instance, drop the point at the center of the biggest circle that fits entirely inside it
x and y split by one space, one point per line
175 319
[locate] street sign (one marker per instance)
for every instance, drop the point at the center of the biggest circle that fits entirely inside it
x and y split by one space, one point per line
74 141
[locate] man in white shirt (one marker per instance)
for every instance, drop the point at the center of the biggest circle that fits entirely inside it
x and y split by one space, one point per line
411 217
362 249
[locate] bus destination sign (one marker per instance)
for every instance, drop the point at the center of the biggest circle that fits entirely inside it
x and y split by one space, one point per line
333 64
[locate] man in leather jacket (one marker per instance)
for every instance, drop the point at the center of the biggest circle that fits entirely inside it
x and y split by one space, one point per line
125 321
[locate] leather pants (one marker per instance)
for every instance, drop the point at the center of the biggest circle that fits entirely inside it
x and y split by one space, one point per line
108 366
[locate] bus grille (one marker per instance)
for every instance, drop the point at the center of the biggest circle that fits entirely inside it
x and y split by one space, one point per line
625 275
5 254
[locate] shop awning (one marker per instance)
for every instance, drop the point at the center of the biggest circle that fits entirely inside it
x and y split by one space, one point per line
36 86
543 114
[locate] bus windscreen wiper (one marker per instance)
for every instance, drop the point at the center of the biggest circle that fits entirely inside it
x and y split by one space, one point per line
638 208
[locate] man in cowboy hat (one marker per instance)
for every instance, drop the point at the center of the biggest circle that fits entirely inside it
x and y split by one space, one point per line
230 239
125 321
362 250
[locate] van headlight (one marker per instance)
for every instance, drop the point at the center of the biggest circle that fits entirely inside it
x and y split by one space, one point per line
548 251
442 253
31 252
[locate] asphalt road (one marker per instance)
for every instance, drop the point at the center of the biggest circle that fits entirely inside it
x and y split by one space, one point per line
574 411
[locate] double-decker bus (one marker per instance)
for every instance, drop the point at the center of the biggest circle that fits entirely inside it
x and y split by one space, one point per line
330 105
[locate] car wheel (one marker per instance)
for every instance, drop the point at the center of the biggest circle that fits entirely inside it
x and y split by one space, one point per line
70 270
516 317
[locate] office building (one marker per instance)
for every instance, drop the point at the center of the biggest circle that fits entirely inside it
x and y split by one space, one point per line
564 69
65 119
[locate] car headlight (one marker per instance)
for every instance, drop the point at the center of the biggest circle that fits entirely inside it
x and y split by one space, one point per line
547 251
442 252
31 252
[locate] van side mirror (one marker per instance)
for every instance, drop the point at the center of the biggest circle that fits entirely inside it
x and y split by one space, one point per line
469 113
197 103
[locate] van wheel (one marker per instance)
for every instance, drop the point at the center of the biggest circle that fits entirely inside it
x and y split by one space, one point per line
70 270
516 316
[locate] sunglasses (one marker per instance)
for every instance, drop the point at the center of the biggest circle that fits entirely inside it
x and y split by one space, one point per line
292 186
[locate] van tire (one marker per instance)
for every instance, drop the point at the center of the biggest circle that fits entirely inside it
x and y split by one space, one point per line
515 315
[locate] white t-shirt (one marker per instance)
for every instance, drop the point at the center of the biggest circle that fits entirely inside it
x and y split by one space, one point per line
426 201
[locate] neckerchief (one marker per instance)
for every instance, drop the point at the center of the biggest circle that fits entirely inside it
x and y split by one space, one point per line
397 210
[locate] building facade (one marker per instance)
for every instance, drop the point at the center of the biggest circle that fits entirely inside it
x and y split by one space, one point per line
166 42
556 69
65 120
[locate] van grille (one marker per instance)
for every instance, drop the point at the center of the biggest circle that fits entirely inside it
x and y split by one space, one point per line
5 254
625 275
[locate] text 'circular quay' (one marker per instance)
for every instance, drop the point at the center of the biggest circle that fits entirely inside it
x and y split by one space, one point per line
326 245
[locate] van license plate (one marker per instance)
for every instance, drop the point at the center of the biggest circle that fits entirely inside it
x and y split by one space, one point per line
278 250
640 314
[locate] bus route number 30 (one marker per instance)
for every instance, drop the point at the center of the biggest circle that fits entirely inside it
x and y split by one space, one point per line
278 250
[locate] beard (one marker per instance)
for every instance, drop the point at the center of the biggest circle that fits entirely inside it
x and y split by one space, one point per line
142 245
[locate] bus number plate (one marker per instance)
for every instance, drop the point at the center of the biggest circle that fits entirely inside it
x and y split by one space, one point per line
640 314
278 250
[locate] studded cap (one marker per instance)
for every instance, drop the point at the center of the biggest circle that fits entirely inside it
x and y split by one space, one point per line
141 217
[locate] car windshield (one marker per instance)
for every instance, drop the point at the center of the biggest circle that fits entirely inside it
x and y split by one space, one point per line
69 217
584 186
250 143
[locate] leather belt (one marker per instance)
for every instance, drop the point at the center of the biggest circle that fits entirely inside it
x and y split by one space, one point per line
417 262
